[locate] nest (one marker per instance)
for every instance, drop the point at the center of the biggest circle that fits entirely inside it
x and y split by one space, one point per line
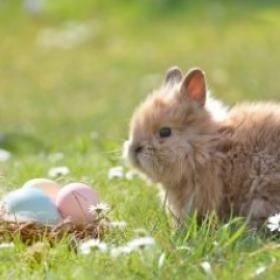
29 231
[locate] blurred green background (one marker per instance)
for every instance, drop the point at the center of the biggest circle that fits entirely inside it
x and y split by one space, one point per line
69 68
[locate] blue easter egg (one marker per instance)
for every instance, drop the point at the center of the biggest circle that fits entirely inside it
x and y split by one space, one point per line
31 204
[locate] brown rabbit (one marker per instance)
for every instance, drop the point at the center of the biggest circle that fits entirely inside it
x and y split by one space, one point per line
230 166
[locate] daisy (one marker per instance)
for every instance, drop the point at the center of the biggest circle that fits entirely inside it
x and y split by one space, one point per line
100 208
274 223
118 224
7 245
135 244
120 250
260 270
206 267
141 242
4 155
58 171
116 172
88 246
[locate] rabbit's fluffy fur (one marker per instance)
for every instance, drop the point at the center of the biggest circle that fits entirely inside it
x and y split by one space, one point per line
228 163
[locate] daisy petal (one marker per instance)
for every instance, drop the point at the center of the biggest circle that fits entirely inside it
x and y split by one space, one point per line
116 173
58 171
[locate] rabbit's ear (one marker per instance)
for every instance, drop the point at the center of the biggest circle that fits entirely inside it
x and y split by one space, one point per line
173 75
194 86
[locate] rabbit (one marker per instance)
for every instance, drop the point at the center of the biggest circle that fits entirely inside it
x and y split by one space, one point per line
228 165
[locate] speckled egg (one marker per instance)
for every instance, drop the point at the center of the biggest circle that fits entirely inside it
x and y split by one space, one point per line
49 187
74 200
31 204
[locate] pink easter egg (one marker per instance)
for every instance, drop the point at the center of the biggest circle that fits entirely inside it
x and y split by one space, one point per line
74 200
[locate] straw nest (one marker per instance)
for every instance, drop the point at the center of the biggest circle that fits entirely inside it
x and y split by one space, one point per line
29 231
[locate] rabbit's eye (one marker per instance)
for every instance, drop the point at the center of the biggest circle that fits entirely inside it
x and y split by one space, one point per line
165 132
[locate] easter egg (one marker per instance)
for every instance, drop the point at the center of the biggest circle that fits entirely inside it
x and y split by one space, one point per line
49 187
74 200
31 204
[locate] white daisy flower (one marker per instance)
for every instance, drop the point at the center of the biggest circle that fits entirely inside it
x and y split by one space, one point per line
273 223
116 172
206 266
133 245
58 171
260 270
88 246
115 252
7 245
4 155
100 208
118 224
141 242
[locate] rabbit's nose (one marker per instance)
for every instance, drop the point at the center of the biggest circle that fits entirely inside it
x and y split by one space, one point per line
138 149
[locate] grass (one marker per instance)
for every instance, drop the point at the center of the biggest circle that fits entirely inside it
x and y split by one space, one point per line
53 99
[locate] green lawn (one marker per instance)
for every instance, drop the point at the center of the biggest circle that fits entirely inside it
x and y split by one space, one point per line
54 97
